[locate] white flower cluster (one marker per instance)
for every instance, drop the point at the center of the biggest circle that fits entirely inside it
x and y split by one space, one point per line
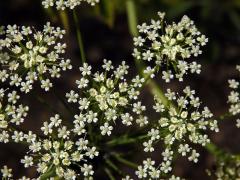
27 55
234 97
181 124
149 171
227 168
62 150
11 114
62 4
103 97
169 47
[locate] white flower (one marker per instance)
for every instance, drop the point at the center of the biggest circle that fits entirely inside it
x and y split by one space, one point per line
85 69
82 144
226 168
238 123
37 58
18 136
181 120
184 149
194 156
87 170
46 84
72 96
27 161
138 108
127 178
141 172
234 97
92 152
148 146
46 128
168 46
63 132
106 97
107 65
82 83
166 166
13 97
106 129
6 172
167 76
62 147
63 4
55 121
11 115
127 119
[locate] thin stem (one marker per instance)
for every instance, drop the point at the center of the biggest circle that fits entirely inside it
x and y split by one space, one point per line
79 37
49 11
108 172
132 24
113 166
132 17
125 161
64 19
125 140
156 90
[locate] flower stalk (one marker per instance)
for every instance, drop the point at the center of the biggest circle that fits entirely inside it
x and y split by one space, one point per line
79 36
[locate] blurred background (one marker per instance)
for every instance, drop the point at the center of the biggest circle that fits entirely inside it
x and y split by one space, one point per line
106 34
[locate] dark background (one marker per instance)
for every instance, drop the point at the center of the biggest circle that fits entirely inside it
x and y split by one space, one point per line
106 34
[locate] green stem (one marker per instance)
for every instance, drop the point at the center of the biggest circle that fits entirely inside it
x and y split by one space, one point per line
132 24
115 168
51 14
64 19
125 161
126 140
108 172
79 36
156 90
132 17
